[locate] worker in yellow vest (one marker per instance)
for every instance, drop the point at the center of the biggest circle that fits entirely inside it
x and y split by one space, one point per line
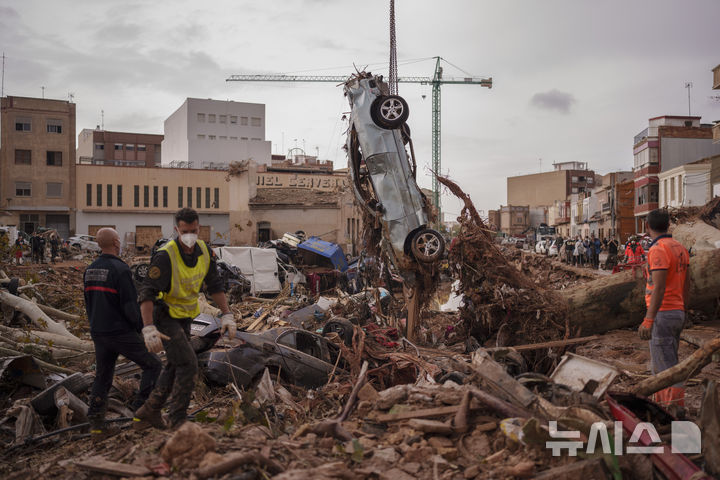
168 303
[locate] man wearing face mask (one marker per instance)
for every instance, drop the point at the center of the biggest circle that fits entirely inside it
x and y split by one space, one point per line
115 323
169 302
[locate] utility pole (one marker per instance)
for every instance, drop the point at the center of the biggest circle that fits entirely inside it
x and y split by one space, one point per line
612 206
43 92
2 84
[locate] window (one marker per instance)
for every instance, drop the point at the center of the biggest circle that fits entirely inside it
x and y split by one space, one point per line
255 121
255 139
23 124
88 194
233 119
146 196
672 189
189 197
211 118
665 190
165 195
201 117
574 179
581 178
211 137
118 146
99 195
130 147
53 190
233 138
574 189
99 146
23 157
142 148
223 118
201 137
243 138
243 120
155 196
591 180
119 195
180 195
54 159
137 195
207 197
680 188
54 126
198 197
23 189
223 137
216 203
109 195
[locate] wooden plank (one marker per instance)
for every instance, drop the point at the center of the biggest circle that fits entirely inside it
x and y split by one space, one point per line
99 464
551 344
429 412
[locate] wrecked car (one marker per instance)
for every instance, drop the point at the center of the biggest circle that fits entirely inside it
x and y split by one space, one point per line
298 356
382 176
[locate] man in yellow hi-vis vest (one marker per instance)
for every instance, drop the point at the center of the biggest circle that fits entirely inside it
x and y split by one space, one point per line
168 303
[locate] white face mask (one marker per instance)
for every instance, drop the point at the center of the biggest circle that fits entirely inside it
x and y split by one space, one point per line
189 239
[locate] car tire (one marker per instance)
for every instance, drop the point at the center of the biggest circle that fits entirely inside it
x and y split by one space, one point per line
405 132
427 245
141 271
389 111
344 328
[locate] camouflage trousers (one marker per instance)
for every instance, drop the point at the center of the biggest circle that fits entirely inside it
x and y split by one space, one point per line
181 367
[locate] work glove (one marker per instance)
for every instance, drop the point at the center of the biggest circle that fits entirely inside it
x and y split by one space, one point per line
153 338
228 325
645 329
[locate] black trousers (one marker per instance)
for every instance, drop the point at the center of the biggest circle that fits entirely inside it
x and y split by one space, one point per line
181 367
107 348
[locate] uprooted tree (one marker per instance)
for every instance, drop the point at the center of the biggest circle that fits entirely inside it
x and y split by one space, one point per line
505 307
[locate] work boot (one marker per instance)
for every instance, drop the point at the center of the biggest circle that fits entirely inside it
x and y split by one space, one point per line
146 417
99 434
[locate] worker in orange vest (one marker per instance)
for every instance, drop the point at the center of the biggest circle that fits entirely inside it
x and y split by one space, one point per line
666 295
634 252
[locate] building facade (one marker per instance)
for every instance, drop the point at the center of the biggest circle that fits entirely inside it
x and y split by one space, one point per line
37 164
668 142
514 219
543 189
690 185
205 133
121 149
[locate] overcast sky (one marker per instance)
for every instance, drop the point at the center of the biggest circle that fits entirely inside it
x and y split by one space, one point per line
574 80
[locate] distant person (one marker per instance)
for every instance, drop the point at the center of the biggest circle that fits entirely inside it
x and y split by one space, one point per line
35 245
579 253
19 245
54 246
115 325
612 249
634 252
666 295
598 248
569 247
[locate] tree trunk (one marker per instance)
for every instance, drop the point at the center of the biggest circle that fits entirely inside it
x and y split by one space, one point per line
33 312
39 337
618 301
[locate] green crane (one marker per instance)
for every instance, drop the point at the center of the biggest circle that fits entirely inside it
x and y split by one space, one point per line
436 81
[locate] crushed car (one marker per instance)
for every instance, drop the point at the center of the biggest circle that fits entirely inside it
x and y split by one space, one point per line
383 177
300 357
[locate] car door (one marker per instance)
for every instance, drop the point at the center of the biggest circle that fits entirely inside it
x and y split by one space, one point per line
302 355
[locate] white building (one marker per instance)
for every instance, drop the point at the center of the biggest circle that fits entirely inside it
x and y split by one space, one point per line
213 133
690 185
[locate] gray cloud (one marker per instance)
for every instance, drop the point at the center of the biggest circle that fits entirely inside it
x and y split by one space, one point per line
553 100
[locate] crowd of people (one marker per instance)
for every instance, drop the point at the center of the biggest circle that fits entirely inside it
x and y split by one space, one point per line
585 252
38 248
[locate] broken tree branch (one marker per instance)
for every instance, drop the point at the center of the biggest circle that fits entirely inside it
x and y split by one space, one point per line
45 365
232 461
679 372
35 314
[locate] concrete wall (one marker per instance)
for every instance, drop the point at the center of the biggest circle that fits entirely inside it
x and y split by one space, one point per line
680 151
537 189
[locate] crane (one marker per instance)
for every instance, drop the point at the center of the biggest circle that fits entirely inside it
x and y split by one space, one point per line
437 80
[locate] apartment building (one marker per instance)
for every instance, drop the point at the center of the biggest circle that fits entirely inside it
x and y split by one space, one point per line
514 219
716 86
542 189
206 133
121 149
37 164
668 142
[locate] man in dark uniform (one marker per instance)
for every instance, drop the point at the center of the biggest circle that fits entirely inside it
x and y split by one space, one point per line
169 302
35 247
115 323
54 244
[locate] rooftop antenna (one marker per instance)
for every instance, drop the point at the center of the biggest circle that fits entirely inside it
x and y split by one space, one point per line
2 83
43 92
102 120
688 85
71 97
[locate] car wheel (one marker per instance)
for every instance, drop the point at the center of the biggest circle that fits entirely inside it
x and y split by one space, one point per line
141 271
428 245
389 111
344 328
405 131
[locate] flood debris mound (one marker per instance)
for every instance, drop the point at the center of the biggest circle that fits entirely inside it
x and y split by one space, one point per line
502 305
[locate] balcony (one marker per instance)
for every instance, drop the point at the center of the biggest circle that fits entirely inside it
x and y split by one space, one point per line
716 78
606 207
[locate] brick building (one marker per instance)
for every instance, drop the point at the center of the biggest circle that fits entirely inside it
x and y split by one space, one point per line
121 149
37 164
